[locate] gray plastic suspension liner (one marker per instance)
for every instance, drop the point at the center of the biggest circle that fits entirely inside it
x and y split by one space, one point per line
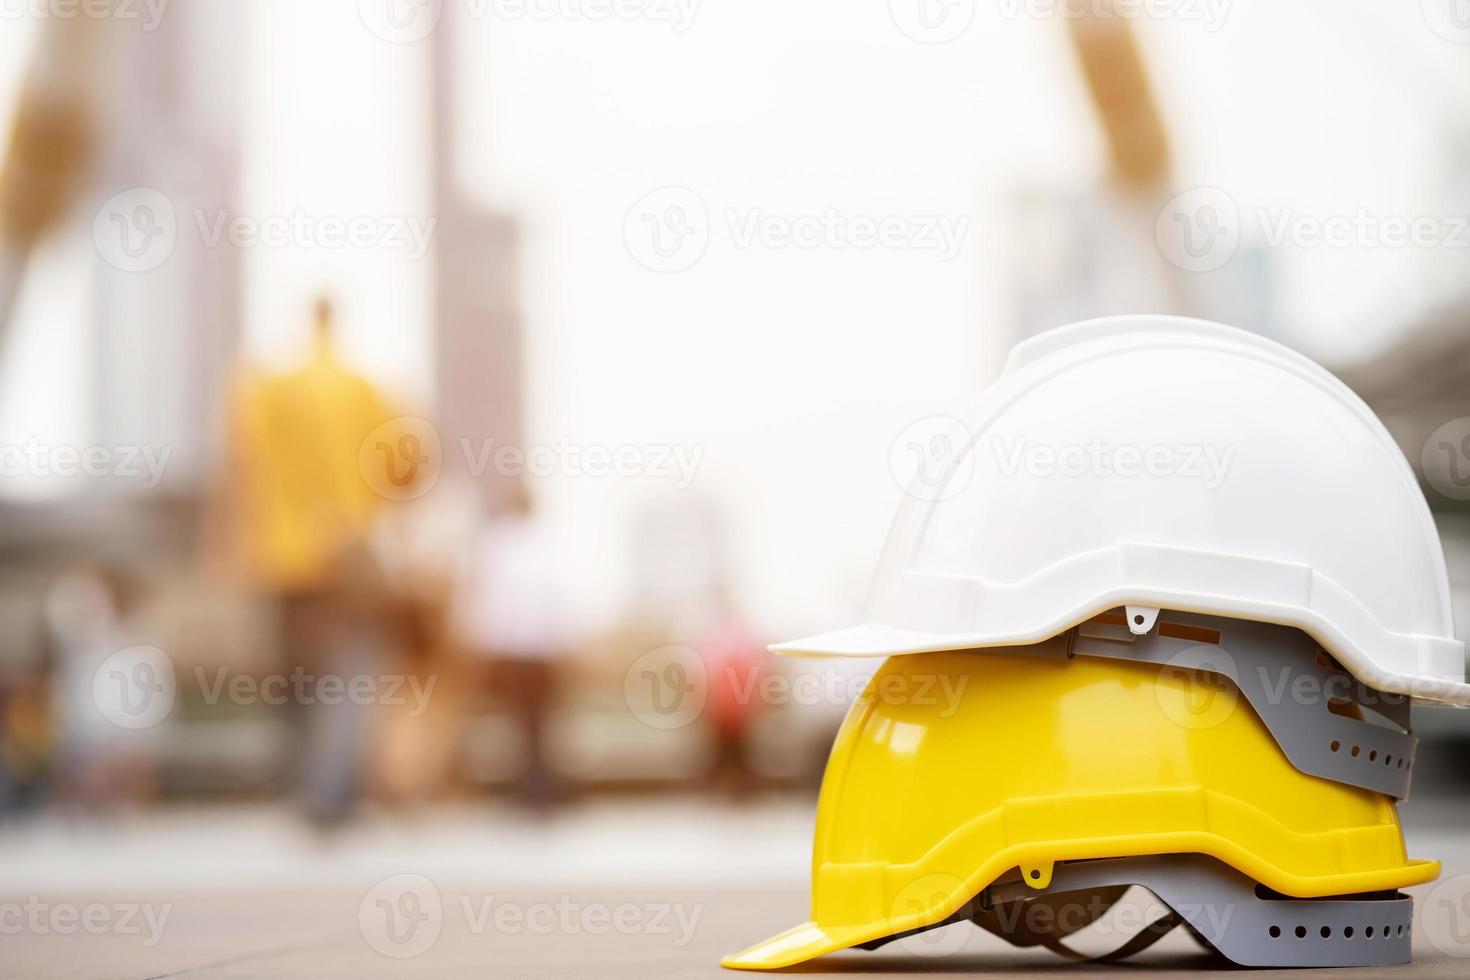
1223 908
1277 670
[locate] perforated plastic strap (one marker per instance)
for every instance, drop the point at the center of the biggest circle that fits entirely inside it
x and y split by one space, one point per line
1277 670
1224 909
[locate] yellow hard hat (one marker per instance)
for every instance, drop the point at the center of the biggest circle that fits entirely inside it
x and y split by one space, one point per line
958 771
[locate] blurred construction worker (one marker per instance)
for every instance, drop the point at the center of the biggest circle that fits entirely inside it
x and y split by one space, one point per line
737 663
299 512
91 612
25 740
511 612
421 544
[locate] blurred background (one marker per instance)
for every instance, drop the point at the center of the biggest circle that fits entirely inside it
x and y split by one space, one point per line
417 416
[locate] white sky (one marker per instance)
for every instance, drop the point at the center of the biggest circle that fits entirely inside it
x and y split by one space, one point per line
792 369
333 122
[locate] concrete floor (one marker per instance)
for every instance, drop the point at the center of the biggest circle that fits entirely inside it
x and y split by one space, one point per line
624 889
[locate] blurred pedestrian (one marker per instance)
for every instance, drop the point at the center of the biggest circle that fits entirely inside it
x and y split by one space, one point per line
299 512
737 664
26 740
91 613
421 544
512 613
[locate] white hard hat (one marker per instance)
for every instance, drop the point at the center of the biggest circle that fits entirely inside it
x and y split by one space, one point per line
1163 462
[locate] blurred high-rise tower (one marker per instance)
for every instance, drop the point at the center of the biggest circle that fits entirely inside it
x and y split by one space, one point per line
477 321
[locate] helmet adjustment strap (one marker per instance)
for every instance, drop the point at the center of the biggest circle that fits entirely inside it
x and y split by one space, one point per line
1314 710
1243 922
1047 920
